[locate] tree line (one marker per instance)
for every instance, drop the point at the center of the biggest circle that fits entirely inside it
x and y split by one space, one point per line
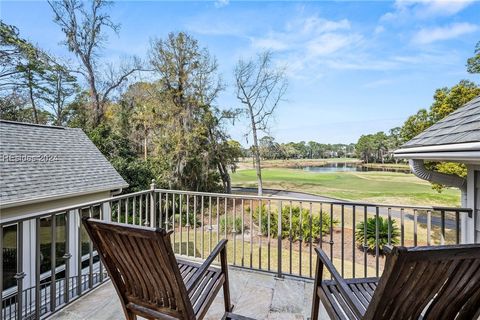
273 150
168 128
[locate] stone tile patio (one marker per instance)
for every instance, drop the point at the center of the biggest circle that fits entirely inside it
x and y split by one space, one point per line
254 294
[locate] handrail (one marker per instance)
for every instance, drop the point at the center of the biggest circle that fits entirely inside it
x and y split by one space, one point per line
9 220
69 208
333 201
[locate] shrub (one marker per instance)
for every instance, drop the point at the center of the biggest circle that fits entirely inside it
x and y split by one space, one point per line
227 222
191 219
300 222
382 233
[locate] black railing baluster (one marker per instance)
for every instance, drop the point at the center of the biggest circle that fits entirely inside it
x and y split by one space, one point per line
300 238
269 213
243 233
342 240
353 241
290 238
365 246
429 227
415 231
251 234
202 213
260 233
377 246
402 226
279 240
234 232
442 239
331 242
457 227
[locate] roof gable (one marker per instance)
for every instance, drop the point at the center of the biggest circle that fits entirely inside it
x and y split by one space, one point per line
40 162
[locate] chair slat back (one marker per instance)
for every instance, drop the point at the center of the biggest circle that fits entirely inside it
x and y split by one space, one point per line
434 282
142 266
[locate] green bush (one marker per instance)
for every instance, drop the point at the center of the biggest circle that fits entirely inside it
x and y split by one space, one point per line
299 224
382 233
191 220
227 222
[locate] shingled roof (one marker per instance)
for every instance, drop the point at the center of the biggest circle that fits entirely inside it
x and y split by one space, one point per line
38 163
461 126
456 137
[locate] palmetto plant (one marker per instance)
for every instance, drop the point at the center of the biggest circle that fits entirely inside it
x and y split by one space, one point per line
371 239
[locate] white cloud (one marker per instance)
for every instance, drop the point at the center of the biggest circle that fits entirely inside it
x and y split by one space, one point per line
379 29
430 35
377 83
405 10
221 3
313 36
306 44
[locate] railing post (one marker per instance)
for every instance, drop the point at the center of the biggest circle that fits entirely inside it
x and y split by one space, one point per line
279 240
106 212
153 216
19 275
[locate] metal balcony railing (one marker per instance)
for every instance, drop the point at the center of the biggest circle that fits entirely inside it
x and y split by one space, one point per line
272 234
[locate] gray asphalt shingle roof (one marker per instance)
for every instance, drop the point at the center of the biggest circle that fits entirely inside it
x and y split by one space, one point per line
461 126
63 161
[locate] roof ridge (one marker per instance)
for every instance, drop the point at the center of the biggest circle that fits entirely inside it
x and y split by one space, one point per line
33 124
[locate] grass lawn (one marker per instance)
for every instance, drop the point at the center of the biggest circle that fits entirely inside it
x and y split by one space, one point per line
376 187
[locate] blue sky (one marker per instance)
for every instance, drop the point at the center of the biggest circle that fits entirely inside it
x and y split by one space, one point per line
353 67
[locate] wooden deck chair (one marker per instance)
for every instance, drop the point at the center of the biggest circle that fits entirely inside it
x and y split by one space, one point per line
148 278
417 283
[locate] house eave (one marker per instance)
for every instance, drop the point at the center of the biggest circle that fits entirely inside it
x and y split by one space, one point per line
459 152
40 199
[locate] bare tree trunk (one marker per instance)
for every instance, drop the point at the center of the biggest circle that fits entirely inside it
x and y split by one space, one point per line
95 100
226 180
145 147
32 100
256 154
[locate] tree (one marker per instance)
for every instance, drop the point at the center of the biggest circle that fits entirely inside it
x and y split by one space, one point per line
38 75
14 106
445 101
260 88
23 66
415 125
473 63
190 138
84 27
141 100
59 88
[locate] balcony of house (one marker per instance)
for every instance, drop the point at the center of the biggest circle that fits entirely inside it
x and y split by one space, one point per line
49 266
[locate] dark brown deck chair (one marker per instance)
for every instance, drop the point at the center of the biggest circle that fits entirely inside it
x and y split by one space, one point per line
148 278
417 283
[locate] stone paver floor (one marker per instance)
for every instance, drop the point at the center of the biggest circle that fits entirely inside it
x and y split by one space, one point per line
254 294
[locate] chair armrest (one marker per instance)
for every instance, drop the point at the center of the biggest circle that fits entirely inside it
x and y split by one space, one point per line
197 276
346 292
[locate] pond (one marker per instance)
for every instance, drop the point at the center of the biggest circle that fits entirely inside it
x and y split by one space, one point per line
349 167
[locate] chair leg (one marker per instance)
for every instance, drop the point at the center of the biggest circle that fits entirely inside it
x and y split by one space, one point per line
316 298
226 286
131 315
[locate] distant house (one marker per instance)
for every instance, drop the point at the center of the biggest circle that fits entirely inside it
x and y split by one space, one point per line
46 167
456 138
